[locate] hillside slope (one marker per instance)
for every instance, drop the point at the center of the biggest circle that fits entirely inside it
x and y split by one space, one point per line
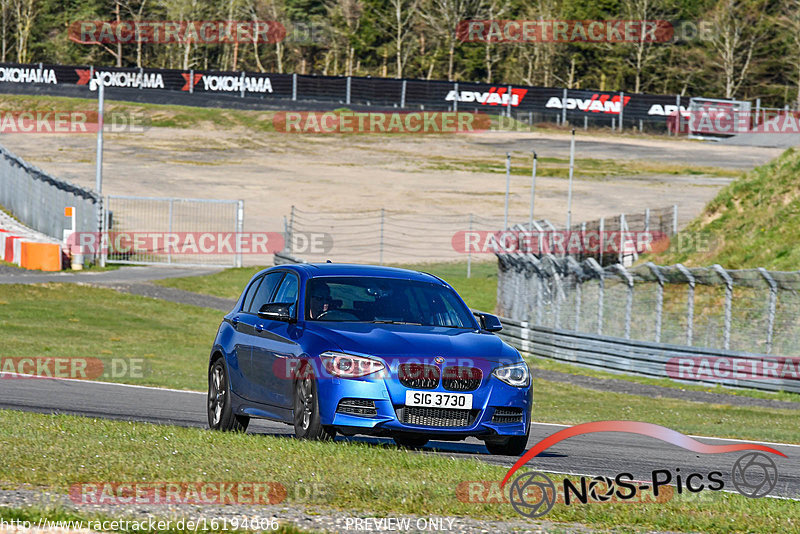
753 222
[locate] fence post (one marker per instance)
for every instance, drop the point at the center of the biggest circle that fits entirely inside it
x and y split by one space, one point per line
600 291
291 231
629 300
241 84
726 333
294 86
690 302
508 104
403 95
141 78
380 246
647 219
621 106
623 227
170 219
564 107
455 100
674 219
602 237
585 122
347 95
533 192
773 294
578 302
469 251
659 298
191 81
239 230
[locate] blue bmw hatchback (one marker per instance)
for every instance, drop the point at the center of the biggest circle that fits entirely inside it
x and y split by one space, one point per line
371 350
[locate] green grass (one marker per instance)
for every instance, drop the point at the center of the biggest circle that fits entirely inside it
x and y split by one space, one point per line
585 168
68 320
753 222
56 451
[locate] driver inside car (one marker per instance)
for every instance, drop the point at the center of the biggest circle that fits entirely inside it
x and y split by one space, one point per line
320 300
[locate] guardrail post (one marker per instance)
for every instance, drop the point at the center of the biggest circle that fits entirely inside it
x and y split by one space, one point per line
773 295
659 297
690 302
726 333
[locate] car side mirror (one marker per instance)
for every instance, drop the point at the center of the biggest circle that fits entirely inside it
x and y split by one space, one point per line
490 322
275 311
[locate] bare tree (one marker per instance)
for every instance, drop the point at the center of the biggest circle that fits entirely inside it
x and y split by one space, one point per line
738 26
25 12
137 15
790 19
398 20
345 16
443 17
641 52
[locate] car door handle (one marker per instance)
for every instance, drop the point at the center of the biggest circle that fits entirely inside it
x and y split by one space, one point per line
235 321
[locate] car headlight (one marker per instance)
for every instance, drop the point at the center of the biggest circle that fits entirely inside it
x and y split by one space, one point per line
344 365
516 374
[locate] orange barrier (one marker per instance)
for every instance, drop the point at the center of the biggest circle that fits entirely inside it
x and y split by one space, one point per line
41 256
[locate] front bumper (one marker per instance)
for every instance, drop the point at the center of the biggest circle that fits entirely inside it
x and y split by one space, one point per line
390 415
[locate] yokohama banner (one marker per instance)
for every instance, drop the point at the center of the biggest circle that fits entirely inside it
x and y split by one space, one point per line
337 91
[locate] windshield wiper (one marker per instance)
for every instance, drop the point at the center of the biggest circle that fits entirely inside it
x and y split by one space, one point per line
394 322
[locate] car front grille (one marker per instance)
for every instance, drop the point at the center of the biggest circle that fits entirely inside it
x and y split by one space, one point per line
357 407
459 378
507 415
442 417
418 375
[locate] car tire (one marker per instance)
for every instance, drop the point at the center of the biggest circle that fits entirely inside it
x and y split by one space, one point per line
220 416
307 422
510 446
410 441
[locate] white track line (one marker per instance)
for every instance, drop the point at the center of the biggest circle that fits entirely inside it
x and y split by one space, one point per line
2 373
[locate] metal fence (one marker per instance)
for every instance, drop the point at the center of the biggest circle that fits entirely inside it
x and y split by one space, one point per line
37 199
382 236
144 215
750 310
386 236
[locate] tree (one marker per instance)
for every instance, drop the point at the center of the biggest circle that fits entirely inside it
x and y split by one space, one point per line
25 12
738 26
397 18
443 17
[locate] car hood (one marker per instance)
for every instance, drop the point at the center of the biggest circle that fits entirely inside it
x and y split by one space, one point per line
412 341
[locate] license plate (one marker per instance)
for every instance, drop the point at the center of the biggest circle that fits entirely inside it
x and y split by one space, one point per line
432 399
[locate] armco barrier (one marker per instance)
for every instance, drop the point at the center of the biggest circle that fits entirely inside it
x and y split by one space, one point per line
641 357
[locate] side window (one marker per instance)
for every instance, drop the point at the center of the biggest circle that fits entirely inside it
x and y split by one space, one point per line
287 292
264 291
251 292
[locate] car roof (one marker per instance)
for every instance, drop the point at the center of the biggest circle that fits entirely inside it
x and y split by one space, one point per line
313 270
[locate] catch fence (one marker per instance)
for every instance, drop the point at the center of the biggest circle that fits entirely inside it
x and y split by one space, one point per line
162 216
749 310
38 199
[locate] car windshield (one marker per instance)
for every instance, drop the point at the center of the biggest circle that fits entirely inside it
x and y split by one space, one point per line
385 300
